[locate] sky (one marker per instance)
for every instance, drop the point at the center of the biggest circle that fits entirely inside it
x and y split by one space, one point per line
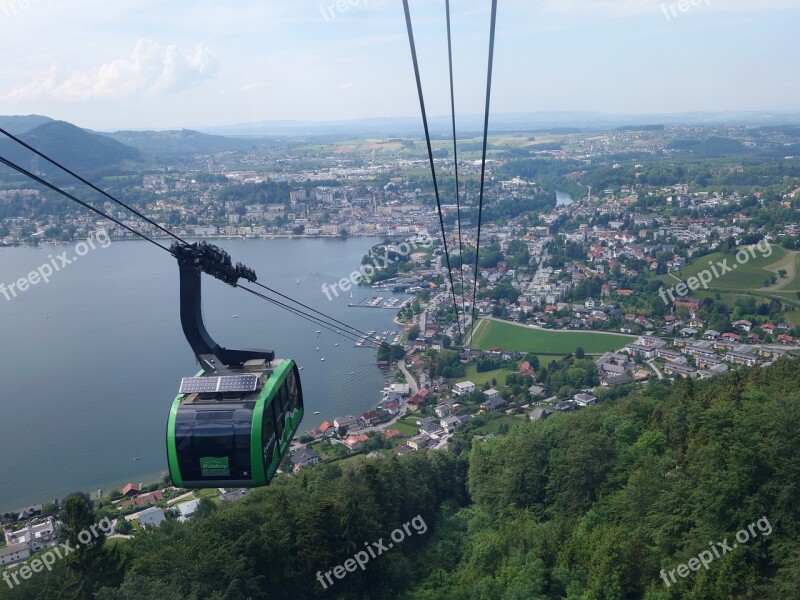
140 64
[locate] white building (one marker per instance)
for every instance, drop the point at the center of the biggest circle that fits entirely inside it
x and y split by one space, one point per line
36 534
401 389
187 510
347 421
464 388
449 424
584 399
10 555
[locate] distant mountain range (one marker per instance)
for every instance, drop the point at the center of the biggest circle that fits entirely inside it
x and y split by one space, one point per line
558 121
86 150
183 142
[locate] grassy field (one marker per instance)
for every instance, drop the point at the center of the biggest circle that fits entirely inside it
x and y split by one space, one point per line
794 284
207 492
494 425
749 275
405 428
480 378
516 338
469 147
331 451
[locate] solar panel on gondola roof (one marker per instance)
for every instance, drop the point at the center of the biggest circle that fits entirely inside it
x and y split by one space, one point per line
224 384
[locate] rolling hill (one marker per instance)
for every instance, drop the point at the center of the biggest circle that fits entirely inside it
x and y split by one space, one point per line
19 124
77 148
183 142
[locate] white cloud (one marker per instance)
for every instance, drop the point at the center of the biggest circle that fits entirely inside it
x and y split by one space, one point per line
346 87
151 70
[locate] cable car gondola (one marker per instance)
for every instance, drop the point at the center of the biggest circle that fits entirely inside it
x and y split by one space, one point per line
231 425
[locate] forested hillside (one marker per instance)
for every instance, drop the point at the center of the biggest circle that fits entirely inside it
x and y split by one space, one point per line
588 505
77 148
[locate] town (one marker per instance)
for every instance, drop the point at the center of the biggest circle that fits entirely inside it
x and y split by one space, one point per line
595 273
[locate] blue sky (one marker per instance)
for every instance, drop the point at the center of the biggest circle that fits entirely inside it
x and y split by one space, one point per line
166 64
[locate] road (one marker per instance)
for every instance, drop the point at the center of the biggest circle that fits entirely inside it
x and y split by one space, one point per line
653 366
409 378
403 405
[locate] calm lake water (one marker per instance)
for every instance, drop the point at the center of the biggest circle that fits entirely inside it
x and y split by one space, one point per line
92 360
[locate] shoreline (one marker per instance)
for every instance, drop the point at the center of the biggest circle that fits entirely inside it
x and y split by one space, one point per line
151 473
276 236
106 487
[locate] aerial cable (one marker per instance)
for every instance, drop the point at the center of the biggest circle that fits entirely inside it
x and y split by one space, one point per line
346 334
66 194
89 183
343 324
483 161
455 164
137 213
413 46
99 212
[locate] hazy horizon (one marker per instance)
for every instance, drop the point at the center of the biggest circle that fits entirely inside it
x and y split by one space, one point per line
468 124
151 64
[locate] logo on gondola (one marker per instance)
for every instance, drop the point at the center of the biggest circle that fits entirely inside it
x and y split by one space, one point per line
215 467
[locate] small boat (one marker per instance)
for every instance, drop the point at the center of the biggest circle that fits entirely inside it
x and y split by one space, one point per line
137 458
298 281
322 359
316 412
235 316
352 373
336 344
318 332
299 368
317 348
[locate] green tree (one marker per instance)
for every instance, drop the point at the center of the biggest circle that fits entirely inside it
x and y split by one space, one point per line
123 527
89 566
205 507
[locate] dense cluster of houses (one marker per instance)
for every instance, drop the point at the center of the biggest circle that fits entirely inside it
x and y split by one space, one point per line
34 536
713 353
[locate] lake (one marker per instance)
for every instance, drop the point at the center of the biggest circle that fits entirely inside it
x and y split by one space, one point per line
92 360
